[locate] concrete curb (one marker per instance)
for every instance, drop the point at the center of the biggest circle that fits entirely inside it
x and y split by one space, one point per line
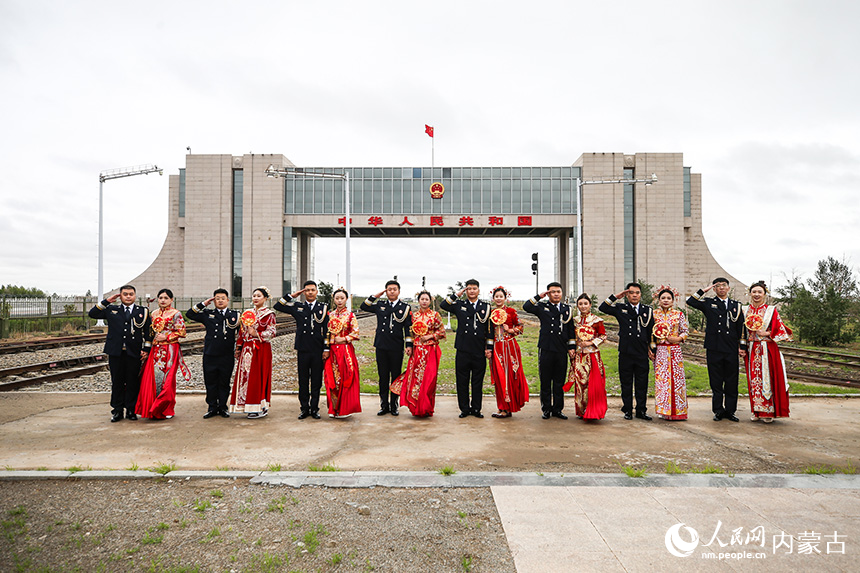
367 479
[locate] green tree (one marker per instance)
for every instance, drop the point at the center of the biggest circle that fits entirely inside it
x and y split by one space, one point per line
13 290
647 291
825 309
325 291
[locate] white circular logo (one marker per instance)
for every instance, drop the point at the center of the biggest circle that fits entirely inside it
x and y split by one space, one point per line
677 546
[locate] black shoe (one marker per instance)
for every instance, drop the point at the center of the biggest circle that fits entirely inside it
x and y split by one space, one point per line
116 417
645 417
383 412
464 414
546 415
732 417
394 411
628 416
717 417
315 414
210 414
304 414
130 416
224 414
478 414
559 415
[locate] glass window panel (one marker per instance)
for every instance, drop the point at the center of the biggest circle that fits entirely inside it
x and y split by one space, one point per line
398 173
446 172
527 172
386 196
497 172
555 171
377 172
397 196
506 172
506 196
566 172
516 172
545 172
386 173
457 172
376 205
486 173
416 173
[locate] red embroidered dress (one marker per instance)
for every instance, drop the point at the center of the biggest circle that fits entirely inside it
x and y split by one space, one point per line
341 373
417 385
506 364
252 384
765 367
157 397
587 375
670 382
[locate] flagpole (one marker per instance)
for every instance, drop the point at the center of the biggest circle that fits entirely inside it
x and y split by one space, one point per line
432 154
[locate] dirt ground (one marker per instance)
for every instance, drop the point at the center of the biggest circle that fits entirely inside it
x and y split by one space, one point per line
229 525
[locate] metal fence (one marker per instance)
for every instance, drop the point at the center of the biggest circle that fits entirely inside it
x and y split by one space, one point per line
20 316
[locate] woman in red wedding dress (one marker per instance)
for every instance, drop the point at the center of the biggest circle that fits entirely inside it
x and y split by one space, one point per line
586 374
506 362
417 385
669 332
157 397
765 367
341 375
252 384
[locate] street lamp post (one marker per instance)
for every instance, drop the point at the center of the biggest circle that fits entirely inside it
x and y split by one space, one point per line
106 176
579 183
272 171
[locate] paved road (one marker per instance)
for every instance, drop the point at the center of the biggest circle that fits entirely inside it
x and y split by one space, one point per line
581 523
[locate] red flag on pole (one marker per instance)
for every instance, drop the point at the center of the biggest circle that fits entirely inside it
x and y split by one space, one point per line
428 130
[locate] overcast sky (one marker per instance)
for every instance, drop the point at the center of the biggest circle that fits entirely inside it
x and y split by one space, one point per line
760 97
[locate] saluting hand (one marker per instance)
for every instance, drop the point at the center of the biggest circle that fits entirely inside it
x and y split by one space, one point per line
543 294
622 294
460 293
707 288
112 297
208 301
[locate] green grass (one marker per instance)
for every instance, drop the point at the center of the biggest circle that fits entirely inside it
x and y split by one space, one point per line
133 467
311 538
329 467
222 468
162 526
447 471
277 504
708 469
163 469
633 472
273 467
76 469
466 563
335 559
202 505
696 374
268 563
674 468
849 469
217 493
151 539
213 534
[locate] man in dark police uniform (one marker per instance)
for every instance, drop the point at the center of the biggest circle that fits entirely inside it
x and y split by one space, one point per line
556 342
724 342
311 331
218 349
635 323
472 344
127 344
393 330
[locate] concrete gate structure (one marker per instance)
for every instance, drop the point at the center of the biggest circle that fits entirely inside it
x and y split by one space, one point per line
231 225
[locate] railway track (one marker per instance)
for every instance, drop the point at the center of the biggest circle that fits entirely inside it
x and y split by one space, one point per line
793 356
86 365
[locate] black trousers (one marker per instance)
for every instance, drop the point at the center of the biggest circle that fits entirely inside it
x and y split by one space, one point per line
470 368
389 365
124 382
633 373
723 376
217 373
552 368
310 380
